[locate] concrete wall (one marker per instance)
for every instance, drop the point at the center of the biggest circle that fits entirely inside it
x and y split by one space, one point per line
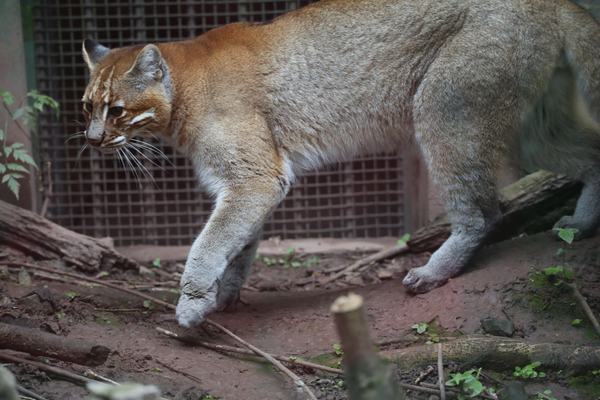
13 78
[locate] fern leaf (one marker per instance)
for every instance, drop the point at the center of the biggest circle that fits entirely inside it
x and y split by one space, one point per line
17 167
2 168
14 186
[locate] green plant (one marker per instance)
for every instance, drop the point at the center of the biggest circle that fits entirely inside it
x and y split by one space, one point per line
528 371
545 395
156 262
404 238
576 322
421 328
13 159
72 294
338 385
467 382
564 271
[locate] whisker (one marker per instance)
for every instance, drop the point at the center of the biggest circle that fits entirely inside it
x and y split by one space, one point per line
121 159
80 152
142 167
150 147
126 154
74 120
146 157
75 136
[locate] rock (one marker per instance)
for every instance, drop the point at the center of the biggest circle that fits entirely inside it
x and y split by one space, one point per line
514 391
498 327
24 278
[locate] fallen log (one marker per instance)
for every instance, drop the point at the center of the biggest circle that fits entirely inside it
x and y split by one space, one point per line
531 205
501 354
45 240
38 343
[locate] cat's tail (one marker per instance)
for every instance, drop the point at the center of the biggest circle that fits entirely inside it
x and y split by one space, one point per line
581 35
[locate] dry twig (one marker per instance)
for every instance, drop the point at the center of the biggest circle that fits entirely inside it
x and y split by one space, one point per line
29 393
381 255
584 304
239 350
441 373
53 370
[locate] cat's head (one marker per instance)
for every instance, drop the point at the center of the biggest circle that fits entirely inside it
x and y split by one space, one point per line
129 94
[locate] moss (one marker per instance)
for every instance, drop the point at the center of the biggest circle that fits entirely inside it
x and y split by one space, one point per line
109 319
587 386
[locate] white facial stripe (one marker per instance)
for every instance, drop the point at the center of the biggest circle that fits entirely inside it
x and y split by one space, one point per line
116 141
105 112
119 103
146 114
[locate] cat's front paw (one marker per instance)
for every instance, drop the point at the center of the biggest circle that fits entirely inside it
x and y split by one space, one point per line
195 303
423 280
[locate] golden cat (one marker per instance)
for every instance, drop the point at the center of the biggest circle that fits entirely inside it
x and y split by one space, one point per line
254 105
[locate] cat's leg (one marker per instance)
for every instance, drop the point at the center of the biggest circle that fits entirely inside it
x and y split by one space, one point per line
235 275
466 182
219 258
463 121
560 135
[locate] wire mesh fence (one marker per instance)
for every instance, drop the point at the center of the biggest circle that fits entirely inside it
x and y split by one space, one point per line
94 195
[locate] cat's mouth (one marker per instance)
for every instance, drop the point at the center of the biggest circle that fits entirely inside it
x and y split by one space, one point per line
109 146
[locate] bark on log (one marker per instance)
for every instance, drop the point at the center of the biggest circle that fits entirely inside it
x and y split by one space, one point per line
499 354
367 376
530 205
45 240
44 344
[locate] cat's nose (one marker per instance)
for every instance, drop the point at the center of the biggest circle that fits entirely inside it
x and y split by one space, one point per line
96 142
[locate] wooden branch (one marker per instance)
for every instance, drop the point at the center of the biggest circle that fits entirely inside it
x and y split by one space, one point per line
530 205
258 351
82 380
367 377
381 255
584 304
441 382
500 353
44 344
239 350
45 240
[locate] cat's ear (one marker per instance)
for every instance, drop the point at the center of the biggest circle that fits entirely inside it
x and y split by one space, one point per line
94 53
149 66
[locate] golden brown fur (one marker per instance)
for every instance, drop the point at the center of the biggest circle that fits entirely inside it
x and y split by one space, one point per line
253 105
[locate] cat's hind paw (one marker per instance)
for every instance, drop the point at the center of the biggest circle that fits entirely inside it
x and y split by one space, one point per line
422 280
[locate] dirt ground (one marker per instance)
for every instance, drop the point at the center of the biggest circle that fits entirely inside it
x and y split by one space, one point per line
282 317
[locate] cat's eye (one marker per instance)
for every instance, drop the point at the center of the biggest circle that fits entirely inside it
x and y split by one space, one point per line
115 111
88 107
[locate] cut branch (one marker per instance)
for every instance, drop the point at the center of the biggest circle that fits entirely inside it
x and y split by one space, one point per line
584 305
367 376
39 343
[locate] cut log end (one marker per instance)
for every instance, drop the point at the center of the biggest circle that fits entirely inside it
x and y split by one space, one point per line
345 304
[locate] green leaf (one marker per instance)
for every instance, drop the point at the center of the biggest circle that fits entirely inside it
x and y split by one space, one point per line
567 234
2 168
5 178
156 262
7 97
18 113
13 185
554 270
16 145
8 150
17 167
404 238
1 134
576 322
21 155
